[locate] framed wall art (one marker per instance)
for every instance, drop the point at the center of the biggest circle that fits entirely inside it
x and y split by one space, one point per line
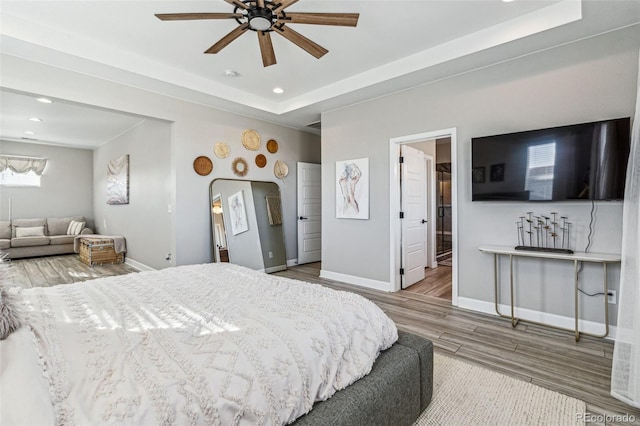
352 189
238 214
118 180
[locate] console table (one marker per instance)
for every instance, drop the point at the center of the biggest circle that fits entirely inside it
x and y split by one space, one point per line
576 258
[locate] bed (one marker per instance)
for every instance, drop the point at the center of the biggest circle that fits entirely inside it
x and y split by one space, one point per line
209 344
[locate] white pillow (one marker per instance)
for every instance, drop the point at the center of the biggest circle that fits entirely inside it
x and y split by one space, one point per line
75 227
29 231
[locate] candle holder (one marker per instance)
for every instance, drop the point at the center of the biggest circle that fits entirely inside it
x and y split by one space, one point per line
544 233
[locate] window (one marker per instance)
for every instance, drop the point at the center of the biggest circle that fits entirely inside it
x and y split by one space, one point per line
21 171
11 178
541 161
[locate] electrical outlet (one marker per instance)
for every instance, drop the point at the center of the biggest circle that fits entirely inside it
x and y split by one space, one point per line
612 297
270 255
168 258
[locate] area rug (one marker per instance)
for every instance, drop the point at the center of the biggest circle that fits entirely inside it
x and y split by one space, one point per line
465 394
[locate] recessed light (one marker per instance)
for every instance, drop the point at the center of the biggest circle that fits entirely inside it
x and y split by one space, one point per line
507 1
278 90
44 100
29 132
36 119
231 73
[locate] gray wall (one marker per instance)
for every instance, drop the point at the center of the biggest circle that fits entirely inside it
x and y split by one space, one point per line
589 80
145 221
66 184
271 237
194 132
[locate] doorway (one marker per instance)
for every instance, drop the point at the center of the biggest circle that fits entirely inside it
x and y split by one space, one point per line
444 210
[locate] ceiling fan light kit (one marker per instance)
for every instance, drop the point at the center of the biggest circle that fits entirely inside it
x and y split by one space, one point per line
264 17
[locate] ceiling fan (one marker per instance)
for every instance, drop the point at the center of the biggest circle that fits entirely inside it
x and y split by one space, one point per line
265 17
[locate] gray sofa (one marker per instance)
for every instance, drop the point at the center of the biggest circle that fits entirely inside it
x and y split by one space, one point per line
396 391
54 241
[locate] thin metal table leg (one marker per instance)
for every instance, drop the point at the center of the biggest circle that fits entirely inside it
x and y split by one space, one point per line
514 320
575 300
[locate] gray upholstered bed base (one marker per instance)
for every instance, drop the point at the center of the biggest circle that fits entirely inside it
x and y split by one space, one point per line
396 391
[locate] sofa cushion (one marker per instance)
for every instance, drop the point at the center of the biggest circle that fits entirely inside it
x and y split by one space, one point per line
61 239
5 243
59 225
75 227
27 223
29 241
5 230
30 231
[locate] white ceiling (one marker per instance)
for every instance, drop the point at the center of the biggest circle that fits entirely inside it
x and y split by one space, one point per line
396 45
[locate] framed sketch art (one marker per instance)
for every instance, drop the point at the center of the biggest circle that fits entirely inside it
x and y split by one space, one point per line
238 214
118 181
352 189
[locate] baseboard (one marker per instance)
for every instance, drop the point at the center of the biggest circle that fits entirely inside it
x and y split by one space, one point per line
292 262
137 265
352 279
273 269
542 317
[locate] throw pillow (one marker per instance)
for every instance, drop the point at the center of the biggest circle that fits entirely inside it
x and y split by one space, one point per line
29 231
9 314
75 227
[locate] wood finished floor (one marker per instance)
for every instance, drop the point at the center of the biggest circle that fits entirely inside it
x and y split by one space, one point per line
543 356
436 283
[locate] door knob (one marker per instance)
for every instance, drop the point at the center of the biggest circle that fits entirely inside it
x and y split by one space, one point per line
424 221
303 218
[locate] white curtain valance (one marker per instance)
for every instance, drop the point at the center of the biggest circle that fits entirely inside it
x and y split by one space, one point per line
22 164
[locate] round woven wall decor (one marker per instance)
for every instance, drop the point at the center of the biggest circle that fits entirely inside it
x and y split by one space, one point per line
280 169
240 167
261 160
221 150
202 165
251 140
272 146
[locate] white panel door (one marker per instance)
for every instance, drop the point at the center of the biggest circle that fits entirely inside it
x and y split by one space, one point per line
414 206
309 213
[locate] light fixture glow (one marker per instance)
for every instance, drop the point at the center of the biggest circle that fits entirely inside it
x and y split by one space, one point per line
507 1
36 119
29 132
278 90
44 100
231 73
217 209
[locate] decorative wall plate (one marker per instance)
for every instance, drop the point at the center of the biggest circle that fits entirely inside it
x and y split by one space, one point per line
240 167
221 150
272 146
261 160
202 165
280 169
251 140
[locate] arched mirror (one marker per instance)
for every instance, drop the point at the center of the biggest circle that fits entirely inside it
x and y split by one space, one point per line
246 224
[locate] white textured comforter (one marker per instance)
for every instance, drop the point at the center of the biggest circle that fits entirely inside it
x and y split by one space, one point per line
203 344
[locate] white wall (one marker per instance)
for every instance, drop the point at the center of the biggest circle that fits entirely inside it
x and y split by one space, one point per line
589 80
66 185
195 130
145 221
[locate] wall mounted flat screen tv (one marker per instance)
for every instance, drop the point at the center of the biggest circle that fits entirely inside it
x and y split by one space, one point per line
577 162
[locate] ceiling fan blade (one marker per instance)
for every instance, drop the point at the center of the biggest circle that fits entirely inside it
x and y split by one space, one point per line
340 19
266 48
194 16
260 3
301 41
238 3
280 5
224 41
